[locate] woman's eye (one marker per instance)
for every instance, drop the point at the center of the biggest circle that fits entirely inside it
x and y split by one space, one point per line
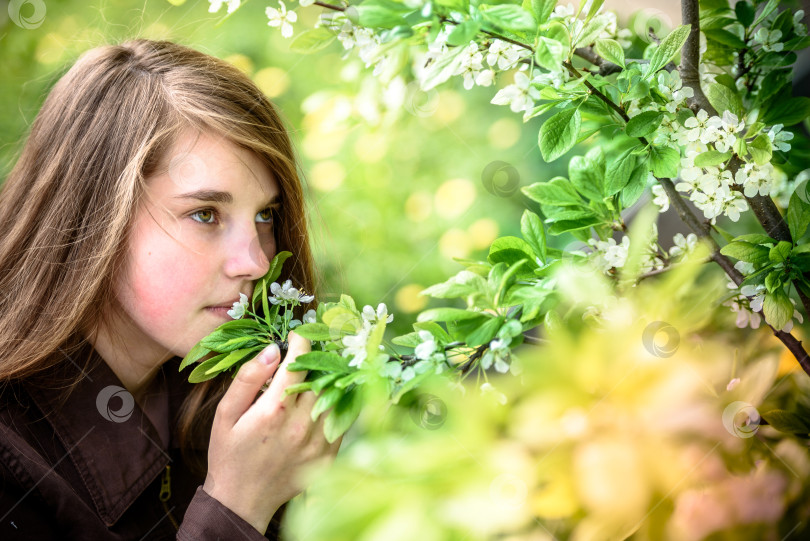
203 213
266 215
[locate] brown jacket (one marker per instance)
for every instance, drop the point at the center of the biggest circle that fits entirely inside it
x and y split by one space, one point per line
91 470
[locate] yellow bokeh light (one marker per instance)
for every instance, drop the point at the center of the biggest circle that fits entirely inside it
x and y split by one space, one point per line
418 206
242 62
408 300
451 106
454 243
50 49
318 145
272 81
504 133
482 232
327 175
454 197
371 147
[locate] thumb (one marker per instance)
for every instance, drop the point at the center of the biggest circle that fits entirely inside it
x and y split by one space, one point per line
247 383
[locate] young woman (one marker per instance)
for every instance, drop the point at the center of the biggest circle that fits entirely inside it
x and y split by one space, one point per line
155 186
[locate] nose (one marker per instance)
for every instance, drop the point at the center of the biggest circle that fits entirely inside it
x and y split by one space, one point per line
249 253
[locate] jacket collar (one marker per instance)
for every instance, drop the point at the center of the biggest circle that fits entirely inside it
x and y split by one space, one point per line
110 440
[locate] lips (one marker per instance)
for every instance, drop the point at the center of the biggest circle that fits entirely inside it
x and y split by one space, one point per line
228 304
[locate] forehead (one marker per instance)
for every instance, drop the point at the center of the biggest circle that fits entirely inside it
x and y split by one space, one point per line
199 160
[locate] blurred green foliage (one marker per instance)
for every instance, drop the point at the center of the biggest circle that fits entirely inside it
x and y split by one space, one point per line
392 201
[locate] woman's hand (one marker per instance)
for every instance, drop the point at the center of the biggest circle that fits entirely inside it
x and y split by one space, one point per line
257 449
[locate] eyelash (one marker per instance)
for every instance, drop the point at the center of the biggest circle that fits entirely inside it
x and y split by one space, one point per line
216 215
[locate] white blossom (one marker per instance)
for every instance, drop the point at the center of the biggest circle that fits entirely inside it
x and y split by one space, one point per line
769 39
487 389
608 255
519 96
216 5
661 199
427 345
381 314
727 128
671 86
281 17
683 245
504 55
239 307
699 129
355 345
779 139
497 354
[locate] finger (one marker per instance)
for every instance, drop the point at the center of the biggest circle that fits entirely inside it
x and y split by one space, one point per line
247 383
298 345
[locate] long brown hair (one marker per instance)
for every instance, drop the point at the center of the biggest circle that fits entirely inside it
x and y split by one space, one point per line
67 206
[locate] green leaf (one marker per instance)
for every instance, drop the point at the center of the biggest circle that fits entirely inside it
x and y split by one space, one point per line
618 171
798 216
745 12
558 228
381 13
557 192
785 421
664 161
756 238
767 10
724 99
463 33
327 399
610 50
760 149
272 273
745 251
340 419
777 309
668 49
448 314
788 112
711 158
559 133
773 280
324 361
232 358
485 332
313 40
780 252
295 388
542 9
324 381
549 53
200 372
196 353
533 233
314 331
509 17
587 174
725 37
591 32
462 284
644 123
636 185
345 381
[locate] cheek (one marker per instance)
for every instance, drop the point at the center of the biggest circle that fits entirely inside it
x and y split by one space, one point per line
165 281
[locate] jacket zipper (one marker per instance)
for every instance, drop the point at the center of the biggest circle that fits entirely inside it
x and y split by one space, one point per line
166 493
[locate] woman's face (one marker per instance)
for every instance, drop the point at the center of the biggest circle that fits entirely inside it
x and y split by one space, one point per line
202 235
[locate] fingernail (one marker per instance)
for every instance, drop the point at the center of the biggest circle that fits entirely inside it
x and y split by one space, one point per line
270 354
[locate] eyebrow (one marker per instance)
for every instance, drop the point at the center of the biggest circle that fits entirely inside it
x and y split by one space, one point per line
217 196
